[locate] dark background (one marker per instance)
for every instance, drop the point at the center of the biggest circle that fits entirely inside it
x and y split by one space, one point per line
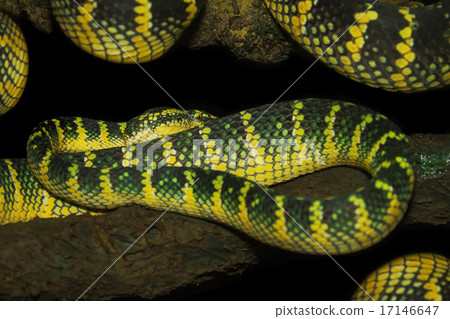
66 81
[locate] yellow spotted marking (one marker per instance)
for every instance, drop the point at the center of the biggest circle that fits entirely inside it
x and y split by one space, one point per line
356 138
365 233
357 32
433 291
18 198
107 193
141 41
14 65
280 224
216 208
72 184
381 141
318 227
393 212
190 203
330 145
244 222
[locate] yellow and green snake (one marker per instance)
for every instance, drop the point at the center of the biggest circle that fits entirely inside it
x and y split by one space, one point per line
392 48
13 63
217 168
127 31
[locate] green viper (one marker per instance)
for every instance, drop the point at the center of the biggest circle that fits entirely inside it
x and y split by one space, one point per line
216 168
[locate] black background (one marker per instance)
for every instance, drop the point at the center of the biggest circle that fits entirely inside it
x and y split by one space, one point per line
66 81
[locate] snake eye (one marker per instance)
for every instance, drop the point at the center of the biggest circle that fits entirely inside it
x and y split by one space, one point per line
125 31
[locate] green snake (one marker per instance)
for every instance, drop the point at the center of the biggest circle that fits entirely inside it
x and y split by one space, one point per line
217 168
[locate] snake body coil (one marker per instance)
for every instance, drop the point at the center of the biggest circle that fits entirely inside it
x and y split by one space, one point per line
393 48
288 140
424 276
13 63
125 31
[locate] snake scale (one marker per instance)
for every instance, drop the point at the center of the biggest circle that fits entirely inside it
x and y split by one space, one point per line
217 168
392 48
13 63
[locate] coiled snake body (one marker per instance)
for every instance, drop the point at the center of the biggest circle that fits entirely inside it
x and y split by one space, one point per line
125 31
13 63
393 48
216 168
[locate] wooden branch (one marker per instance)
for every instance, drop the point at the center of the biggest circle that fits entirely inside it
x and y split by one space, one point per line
59 259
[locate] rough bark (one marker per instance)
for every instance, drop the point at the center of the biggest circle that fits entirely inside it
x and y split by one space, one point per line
38 12
60 259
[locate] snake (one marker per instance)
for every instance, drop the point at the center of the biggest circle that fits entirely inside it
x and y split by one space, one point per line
393 48
13 63
384 46
421 276
125 31
83 166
